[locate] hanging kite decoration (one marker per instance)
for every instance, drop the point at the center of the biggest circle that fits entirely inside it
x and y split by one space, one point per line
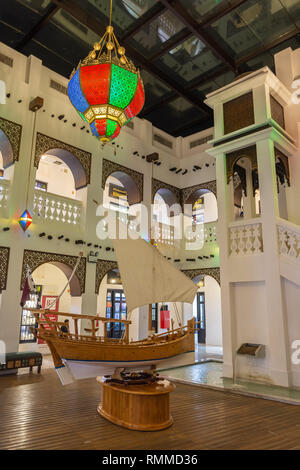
25 220
106 88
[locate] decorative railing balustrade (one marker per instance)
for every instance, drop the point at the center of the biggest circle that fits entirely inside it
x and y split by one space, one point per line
245 238
52 207
163 233
289 239
4 192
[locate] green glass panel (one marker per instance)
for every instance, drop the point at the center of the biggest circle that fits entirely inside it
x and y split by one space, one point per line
110 127
81 115
123 86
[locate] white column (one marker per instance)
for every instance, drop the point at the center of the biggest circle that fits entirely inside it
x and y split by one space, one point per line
278 347
10 309
224 192
89 298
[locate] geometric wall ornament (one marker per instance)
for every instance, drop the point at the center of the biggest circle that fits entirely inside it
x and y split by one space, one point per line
10 140
213 272
66 263
209 186
132 180
238 113
78 160
4 259
157 185
233 157
102 268
277 112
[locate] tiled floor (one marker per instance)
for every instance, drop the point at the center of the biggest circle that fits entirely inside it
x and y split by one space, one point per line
210 374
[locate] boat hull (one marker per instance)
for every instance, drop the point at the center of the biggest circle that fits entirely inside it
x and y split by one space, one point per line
89 369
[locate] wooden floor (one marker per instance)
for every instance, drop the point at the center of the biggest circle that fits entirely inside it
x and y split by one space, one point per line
36 412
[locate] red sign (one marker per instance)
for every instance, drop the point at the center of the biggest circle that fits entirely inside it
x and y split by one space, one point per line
164 319
48 303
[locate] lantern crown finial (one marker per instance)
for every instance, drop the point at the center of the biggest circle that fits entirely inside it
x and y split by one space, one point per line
114 54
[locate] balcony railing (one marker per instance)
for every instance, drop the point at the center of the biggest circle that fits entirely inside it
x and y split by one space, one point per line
164 233
246 238
54 208
289 239
4 192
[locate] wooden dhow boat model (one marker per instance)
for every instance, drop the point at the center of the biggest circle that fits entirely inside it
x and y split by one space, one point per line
147 277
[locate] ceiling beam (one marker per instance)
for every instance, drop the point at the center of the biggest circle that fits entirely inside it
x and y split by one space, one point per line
154 12
172 43
200 32
186 33
266 47
43 20
225 10
208 76
92 22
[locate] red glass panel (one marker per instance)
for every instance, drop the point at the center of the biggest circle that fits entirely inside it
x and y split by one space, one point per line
137 102
117 132
101 126
94 81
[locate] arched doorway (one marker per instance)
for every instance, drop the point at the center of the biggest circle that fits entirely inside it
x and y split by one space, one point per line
207 310
50 278
58 196
204 207
246 195
120 192
166 218
112 304
55 176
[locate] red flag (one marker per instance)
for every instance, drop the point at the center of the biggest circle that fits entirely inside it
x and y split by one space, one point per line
25 293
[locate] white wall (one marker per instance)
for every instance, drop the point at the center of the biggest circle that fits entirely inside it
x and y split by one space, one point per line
249 311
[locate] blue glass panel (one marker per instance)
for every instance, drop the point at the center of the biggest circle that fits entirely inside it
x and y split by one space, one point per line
94 129
75 93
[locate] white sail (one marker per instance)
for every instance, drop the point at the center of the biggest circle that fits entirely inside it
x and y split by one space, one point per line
147 277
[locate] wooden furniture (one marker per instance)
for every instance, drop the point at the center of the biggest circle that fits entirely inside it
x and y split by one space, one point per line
18 360
138 407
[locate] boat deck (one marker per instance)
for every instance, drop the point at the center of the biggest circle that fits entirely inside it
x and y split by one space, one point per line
38 413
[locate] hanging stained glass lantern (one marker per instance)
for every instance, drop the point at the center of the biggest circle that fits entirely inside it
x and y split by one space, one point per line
25 220
106 88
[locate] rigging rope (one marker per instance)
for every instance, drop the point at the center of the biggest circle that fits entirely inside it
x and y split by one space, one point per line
68 282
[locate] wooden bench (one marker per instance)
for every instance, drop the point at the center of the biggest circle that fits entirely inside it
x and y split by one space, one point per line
19 360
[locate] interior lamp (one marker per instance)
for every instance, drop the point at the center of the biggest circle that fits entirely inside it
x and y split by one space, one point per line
106 89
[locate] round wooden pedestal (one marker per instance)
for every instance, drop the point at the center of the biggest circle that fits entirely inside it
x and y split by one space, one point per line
139 407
